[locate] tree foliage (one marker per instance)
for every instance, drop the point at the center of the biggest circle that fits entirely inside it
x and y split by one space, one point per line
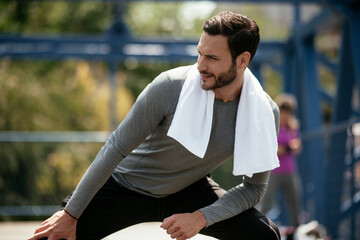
53 17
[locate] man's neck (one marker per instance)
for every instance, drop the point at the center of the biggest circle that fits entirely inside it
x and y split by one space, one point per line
231 91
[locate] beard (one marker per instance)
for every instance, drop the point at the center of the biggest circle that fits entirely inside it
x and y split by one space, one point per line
222 79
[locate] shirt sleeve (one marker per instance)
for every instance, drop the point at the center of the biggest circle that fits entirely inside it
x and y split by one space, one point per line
237 199
149 109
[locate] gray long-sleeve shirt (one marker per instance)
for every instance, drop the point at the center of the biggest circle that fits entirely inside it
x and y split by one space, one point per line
141 157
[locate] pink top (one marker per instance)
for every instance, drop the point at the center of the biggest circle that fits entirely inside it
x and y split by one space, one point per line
287 161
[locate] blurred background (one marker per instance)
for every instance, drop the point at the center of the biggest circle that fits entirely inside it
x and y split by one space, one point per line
71 70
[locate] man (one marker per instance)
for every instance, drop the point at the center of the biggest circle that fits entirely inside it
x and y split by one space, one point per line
145 172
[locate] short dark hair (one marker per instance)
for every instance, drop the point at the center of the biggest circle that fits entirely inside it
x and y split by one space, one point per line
241 31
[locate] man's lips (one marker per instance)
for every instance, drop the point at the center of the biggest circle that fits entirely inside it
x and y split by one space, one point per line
206 76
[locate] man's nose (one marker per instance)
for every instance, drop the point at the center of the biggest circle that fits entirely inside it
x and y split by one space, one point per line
201 64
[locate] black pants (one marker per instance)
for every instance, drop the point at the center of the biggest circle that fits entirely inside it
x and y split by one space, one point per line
114 208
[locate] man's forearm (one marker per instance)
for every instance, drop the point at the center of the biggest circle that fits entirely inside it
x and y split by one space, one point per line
237 199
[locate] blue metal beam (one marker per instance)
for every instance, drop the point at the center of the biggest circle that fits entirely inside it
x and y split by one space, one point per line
326 62
311 119
354 21
288 71
115 48
94 47
341 112
327 19
345 78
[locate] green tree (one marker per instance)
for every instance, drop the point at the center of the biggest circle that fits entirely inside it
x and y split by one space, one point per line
54 17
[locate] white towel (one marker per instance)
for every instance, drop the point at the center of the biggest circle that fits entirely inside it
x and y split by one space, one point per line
255 148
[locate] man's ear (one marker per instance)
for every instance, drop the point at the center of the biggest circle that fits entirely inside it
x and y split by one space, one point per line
243 60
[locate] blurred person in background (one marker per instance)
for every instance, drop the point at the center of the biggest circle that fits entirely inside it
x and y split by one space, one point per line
155 166
285 179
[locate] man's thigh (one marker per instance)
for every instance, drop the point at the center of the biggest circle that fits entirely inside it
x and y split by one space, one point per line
114 208
198 195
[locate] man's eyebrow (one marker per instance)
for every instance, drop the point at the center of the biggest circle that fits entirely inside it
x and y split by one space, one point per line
208 55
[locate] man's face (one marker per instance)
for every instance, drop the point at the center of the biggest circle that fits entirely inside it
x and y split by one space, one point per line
214 62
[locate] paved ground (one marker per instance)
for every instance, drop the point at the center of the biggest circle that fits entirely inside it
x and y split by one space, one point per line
149 231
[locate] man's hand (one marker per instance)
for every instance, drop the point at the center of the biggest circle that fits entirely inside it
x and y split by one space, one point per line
58 226
184 226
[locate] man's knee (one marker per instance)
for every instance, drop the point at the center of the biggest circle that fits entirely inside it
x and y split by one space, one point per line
253 229
270 230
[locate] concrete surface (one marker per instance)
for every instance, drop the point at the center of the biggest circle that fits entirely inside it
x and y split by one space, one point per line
148 231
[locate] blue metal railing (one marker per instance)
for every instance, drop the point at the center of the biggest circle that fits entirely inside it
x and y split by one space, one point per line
332 192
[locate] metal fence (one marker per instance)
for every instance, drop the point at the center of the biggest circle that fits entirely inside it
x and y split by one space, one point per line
331 180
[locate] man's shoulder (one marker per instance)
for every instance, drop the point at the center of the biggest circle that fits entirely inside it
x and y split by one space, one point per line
169 82
172 79
178 73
